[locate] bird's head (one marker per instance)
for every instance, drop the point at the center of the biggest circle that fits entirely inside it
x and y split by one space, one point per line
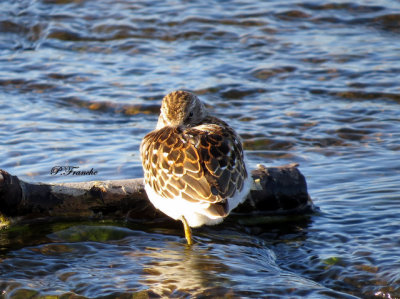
181 108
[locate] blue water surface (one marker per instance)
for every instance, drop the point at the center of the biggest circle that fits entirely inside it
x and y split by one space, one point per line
311 82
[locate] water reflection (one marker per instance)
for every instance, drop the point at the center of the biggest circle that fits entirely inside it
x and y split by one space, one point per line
112 261
180 270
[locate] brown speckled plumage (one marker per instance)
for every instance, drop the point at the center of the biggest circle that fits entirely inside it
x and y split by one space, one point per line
194 157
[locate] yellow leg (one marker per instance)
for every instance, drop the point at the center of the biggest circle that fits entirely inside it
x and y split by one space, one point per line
188 231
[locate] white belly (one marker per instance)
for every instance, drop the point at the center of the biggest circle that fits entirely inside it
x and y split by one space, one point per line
195 213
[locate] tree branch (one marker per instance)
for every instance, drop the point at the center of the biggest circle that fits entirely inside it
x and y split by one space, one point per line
276 191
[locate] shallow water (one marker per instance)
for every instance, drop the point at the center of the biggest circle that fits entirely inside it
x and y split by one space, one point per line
313 82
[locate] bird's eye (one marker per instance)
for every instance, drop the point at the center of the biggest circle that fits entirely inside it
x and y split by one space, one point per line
190 115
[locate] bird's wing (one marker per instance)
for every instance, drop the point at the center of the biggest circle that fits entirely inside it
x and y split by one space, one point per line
200 164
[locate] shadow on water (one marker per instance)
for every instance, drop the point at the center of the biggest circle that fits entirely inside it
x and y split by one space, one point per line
102 260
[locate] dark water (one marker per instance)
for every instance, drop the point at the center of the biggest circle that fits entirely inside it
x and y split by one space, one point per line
313 82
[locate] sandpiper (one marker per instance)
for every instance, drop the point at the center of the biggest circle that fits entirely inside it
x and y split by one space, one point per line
193 164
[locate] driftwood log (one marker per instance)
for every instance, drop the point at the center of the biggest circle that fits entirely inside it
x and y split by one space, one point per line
276 191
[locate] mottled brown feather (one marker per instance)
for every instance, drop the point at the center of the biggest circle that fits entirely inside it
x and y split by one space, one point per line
200 164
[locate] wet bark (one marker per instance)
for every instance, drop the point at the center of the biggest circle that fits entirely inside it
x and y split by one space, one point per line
276 191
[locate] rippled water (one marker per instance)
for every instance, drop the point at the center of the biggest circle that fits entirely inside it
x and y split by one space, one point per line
313 82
